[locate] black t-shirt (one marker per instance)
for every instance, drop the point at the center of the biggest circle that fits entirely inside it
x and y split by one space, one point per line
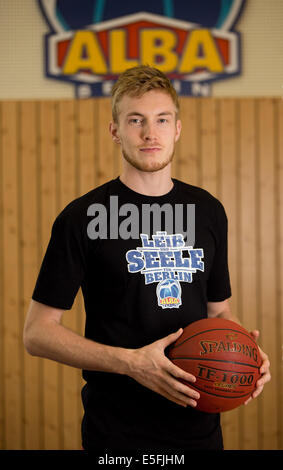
147 266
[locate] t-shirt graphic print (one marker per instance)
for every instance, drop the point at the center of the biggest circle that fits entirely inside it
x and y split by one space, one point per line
168 261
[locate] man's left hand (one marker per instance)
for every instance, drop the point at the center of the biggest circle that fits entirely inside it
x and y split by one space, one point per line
264 370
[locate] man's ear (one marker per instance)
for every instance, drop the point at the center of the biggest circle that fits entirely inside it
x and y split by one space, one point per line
113 129
178 130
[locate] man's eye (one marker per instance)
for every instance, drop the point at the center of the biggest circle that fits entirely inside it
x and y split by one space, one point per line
162 120
136 121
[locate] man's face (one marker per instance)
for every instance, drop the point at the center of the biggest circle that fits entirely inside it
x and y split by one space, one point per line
147 130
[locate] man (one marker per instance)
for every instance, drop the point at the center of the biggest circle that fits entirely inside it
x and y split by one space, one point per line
143 280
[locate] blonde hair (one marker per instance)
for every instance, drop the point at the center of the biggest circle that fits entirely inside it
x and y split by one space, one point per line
138 80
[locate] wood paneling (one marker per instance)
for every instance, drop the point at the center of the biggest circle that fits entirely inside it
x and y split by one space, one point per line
11 258
48 178
54 151
227 181
247 250
29 242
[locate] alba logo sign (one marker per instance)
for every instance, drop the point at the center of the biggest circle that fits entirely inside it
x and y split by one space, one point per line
93 41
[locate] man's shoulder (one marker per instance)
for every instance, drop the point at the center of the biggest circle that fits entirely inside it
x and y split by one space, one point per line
95 195
77 208
197 194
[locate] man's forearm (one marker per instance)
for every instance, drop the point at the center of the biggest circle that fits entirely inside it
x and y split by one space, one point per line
227 314
56 342
221 310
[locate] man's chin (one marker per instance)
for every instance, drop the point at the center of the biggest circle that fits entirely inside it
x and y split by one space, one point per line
151 168
148 166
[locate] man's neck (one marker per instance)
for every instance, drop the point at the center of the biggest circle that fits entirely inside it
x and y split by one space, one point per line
150 184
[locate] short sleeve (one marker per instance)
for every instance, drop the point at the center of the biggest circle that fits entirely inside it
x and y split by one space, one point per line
218 286
64 264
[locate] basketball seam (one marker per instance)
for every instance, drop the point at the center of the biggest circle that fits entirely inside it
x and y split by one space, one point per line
226 370
215 360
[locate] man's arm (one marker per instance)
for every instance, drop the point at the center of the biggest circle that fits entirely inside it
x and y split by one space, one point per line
222 310
45 336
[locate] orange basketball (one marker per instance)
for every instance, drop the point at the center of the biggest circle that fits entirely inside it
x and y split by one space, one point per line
224 358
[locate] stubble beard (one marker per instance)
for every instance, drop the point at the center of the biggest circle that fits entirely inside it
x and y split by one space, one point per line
148 166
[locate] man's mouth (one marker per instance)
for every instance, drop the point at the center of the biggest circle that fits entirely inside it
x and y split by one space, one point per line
150 149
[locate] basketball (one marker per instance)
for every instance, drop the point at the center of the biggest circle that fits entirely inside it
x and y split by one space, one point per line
223 357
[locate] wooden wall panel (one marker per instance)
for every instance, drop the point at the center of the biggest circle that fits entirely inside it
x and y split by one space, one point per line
268 258
247 250
208 145
106 150
10 257
87 132
28 166
48 182
227 182
187 160
54 151
68 191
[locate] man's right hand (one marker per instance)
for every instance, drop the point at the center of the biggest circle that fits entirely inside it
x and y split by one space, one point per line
150 367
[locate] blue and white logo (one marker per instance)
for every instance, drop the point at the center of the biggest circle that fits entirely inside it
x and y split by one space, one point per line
167 260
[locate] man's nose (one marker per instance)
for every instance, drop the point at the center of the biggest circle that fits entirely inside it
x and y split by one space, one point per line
149 132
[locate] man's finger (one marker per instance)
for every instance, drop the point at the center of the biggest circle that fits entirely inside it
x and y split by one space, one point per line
170 338
180 391
180 373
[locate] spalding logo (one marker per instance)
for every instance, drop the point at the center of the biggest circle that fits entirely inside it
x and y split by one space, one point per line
92 41
209 346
